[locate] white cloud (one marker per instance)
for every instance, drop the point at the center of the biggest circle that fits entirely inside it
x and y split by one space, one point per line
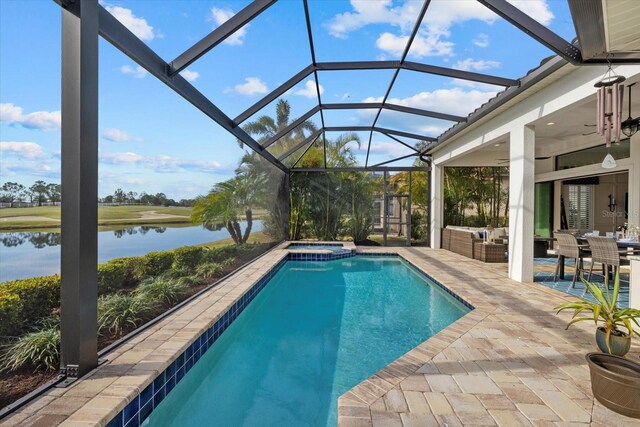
137 72
481 40
136 25
424 44
162 163
309 90
251 86
43 120
220 16
441 16
190 76
23 150
475 64
117 135
537 9
453 101
391 149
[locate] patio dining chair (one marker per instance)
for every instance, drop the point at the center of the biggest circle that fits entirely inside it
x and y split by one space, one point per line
568 247
604 250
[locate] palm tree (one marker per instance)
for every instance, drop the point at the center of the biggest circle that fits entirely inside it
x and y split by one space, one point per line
225 204
264 127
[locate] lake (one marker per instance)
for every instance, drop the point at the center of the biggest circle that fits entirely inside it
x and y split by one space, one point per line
29 254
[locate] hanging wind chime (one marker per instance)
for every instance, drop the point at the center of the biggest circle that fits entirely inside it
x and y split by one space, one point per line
609 111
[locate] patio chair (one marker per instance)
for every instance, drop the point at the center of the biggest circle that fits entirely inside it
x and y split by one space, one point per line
604 250
568 247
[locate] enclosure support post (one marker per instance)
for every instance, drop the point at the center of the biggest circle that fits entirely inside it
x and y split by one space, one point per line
409 212
385 209
436 195
521 201
428 205
79 251
287 201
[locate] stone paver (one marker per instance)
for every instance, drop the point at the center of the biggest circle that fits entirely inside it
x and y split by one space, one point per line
509 362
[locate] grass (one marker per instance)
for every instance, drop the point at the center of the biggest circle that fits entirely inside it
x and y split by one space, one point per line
107 215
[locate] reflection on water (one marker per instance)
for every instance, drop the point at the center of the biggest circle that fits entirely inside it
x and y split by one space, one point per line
27 254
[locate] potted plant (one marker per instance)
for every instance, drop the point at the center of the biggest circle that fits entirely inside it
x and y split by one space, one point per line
609 336
615 381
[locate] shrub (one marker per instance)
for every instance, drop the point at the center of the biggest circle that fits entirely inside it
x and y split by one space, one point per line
187 257
38 297
209 270
10 314
228 262
39 349
161 291
116 274
116 313
154 263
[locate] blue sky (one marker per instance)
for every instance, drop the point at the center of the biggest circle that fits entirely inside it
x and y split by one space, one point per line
153 140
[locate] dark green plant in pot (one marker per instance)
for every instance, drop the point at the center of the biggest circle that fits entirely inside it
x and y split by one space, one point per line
609 337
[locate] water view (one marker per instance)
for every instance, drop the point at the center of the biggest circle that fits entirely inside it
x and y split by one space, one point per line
29 254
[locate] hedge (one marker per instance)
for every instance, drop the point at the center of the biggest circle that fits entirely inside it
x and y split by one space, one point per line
154 263
187 257
36 297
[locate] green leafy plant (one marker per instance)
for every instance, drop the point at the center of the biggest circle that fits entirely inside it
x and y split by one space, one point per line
119 312
209 270
26 302
605 310
37 350
161 291
154 263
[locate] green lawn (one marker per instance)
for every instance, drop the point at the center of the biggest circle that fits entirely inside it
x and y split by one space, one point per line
49 216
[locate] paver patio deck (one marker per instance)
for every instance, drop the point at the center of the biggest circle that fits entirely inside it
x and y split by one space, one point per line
509 362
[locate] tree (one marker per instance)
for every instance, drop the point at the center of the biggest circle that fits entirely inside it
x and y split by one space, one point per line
131 196
13 191
225 204
39 191
54 192
119 196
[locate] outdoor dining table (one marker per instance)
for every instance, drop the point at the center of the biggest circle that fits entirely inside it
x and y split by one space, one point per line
624 244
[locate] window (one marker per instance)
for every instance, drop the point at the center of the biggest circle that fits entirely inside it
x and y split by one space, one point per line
579 206
593 155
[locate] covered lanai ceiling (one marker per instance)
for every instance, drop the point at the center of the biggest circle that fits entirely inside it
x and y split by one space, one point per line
412 41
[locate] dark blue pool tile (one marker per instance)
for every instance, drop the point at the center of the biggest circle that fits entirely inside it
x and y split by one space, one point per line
117 421
188 365
131 410
170 371
159 381
134 422
159 397
146 410
170 384
180 361
179 374
189 352
146 395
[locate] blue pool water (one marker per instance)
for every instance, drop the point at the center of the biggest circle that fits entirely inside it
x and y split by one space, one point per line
316 330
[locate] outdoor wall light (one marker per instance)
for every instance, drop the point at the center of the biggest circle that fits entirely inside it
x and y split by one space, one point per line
551 123
612 203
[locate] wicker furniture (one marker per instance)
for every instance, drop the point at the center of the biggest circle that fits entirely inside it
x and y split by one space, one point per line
604 250
459 241
489 252
568 247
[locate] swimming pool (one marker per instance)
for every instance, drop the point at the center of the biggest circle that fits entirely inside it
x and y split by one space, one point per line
316 330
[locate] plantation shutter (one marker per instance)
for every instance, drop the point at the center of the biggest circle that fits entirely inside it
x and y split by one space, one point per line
580 206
